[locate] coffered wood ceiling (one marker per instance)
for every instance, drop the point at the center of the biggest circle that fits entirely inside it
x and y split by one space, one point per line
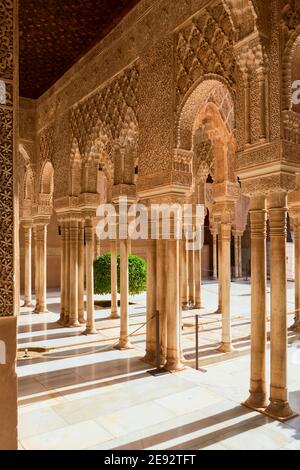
54 34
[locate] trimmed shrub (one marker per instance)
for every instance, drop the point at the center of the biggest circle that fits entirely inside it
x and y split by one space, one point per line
102 274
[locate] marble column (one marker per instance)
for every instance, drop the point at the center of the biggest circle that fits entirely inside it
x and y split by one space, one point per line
219 310
151 302
184 275
192 284
240 257
114 281
236 256
215 256
81 317
258 222
42 265
36 269
62 273
198 277
174 348
124 342
89 260
225 262
279 405
296 325
27 267
161 287
67 285
73 314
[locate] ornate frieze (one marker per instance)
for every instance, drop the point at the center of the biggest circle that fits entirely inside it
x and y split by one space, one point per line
8 154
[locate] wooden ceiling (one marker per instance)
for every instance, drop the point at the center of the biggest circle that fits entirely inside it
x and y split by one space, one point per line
54 34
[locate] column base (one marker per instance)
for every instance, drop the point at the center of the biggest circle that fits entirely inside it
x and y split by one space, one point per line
114 316
73 324
257 401
40 311
226 348
174 365
124 345
280 410
28 304
218 311
185 307
149 358
295 327
198 307
61 321
90 331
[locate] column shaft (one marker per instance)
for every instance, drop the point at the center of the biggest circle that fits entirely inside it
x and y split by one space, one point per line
81 318
114 280
219 271
174 348
73 314
27 273
236 256
184 274
226 345
198 277
279 406
42 253
124 342
89 268
258 218
151 302
161 297
36 269
67 273
215 256
192 284
62 273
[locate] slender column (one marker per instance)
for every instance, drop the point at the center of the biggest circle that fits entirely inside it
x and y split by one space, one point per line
114 280
161 297
279 406
81 318
67 272
184 272
296 325
174 350
73 316
28 239
236 256
97 246
258 218
42 253
36 269
219 272
124 342
226 345
151 302
192 285
89 260
215 256
240 258
62 273
198 277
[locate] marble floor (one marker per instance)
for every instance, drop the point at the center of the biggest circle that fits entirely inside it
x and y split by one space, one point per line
80 393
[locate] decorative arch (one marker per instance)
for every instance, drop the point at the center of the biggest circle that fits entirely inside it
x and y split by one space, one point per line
243 15
29 185
47 179
195 100
290 68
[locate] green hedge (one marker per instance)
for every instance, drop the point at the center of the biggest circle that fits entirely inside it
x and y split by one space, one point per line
102 274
